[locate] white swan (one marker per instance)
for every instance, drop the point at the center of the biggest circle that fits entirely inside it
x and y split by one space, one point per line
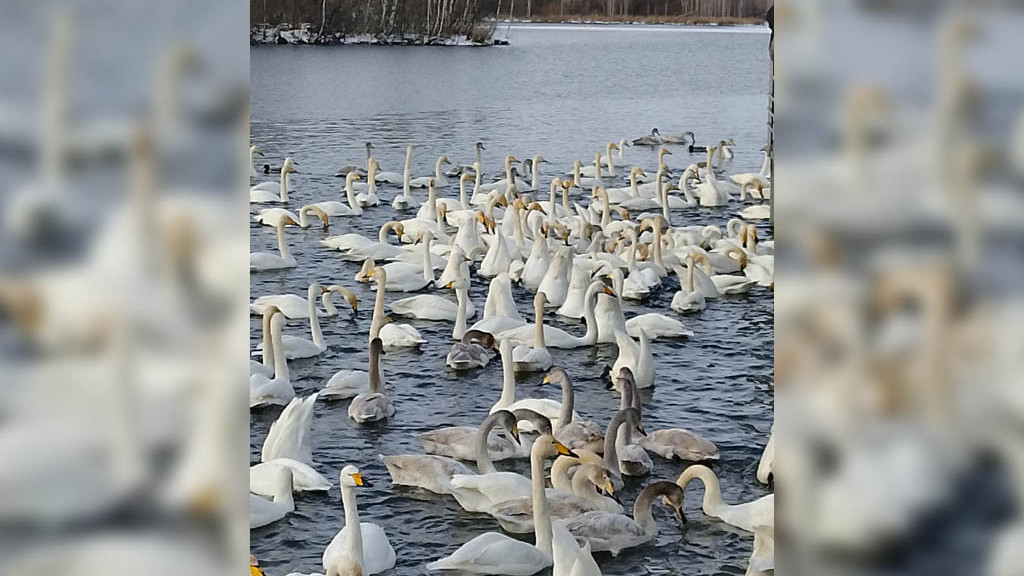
555 283
433 307
494 553
347 383
392 335
750 516
265 391
264 192
374 404
711 191
304 477
259 261
606 531
573 432
296 347
687 299
556 337
550 409
403 277
367 193
766 466
295 307
271 216
263 511
360 548
395 177
571 559
253 152
289 436
755 212
335 208
535 358
636 356
352 241
438 177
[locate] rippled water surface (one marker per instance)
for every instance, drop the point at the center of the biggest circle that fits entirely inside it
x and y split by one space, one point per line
562 92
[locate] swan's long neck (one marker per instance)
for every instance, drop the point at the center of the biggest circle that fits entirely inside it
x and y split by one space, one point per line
479 159
565 200
611 454
589 303
314 322
765 165
568 401
460 317
328 302
376 375
478 177
710 168
560 472
371 177
538 310
462 194
350 197
554 185
597 167
583 487
689 274
382 235
664 206
268 343
282 243
428 267
280 360
541 513
634 189
657 244
483 457
712 502
508 171
576 173
606 209
354 535
284 185
642 507
378 308
437 170
535 174
407 171
508 377
611 160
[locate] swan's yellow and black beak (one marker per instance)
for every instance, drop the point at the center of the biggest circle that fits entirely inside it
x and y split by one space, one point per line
254 566
608 291
389 319
360 481
609 488
546 380
640 429
563 450
450 284
515 434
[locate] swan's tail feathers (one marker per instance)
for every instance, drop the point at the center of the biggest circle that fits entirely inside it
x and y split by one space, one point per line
442 564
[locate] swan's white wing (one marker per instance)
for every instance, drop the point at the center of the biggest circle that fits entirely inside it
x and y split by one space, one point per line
480 491
656 326
291 306
263 511
494 553
304 477
346 384
296 347
378 554
289 434
759 514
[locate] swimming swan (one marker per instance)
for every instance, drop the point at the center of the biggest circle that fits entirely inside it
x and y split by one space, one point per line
373 405
263 511
259 261
392 335
751 516
614 533
360 548
494 553
265 391
264 192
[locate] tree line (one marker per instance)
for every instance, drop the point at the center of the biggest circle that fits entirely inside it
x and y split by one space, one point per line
449 18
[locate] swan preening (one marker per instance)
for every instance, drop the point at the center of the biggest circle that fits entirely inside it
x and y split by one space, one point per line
506 272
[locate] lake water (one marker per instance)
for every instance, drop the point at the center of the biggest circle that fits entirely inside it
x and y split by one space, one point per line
562 92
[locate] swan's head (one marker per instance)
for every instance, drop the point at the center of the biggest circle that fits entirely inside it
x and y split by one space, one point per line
325 218
598 476
614 146
480 146
510 159
399 229
378 274
364 272
254 566
672 496
624 213
597 192
536 206
632 414
509 422
548 446
539 160
315 290
377 345
352 177
289 166
556 376
693 138
270 311
351 476
255 151
466 177
443 160
664 152
655 132
349 295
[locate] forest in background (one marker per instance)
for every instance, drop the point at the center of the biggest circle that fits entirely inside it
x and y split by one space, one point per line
328 20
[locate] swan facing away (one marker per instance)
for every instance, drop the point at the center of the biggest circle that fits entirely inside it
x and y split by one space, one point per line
360 547
263 511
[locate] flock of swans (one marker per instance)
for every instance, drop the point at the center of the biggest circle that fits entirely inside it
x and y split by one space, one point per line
582 262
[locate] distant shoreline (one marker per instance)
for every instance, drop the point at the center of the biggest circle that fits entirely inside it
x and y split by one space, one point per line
306 34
